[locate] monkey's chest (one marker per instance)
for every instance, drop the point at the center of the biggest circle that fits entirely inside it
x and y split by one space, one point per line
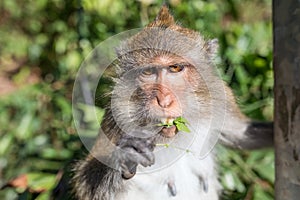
187 178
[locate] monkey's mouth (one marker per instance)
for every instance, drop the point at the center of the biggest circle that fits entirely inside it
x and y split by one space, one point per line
169 130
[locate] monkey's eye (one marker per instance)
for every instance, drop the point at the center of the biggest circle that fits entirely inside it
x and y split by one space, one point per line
148 71
176 68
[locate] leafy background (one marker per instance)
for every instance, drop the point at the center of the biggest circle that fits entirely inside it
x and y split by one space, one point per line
42 44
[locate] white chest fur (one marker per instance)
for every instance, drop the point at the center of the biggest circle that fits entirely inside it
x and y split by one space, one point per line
187 178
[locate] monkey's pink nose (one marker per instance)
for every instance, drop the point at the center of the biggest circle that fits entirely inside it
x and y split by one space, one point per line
165 100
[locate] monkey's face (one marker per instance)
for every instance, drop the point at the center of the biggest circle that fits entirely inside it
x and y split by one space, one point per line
162 76
165 88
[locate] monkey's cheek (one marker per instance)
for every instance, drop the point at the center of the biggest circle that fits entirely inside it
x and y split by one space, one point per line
169 132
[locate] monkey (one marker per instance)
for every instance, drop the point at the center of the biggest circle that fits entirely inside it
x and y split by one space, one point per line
166 72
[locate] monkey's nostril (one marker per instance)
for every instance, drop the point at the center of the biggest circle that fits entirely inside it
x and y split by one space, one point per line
164 101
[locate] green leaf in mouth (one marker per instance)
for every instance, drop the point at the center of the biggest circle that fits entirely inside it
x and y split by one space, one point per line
180 124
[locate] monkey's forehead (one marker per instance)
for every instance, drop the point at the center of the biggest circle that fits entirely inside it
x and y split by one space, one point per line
154 41
145 59
162 47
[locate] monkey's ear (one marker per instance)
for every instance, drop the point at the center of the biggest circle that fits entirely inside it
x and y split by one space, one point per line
212 47
164 18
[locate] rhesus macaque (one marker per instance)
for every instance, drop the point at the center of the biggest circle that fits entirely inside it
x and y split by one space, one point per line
167 72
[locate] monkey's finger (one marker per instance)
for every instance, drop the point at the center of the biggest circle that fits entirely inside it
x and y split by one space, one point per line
145 159
150 157
128 169
137 142
140 145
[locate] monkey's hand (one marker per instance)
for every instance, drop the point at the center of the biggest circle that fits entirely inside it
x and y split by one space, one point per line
134 151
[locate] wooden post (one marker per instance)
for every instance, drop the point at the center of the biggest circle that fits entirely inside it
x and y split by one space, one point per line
286 29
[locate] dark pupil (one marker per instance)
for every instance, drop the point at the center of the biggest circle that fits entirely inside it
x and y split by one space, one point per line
175 68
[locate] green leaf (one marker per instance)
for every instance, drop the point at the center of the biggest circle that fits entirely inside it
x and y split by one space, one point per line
41 181
52 153
6 143
180 119
165 124
182 127
44 196
24 130
259 194
180 124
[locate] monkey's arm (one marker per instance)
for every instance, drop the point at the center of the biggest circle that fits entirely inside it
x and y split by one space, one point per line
241 132
96 181
249 135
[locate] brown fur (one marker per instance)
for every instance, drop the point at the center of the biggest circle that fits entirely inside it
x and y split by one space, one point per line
163 43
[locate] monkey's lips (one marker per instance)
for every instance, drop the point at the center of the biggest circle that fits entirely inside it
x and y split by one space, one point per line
168 132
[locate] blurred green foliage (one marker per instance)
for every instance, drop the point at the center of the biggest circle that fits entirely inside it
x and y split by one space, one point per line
42 44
